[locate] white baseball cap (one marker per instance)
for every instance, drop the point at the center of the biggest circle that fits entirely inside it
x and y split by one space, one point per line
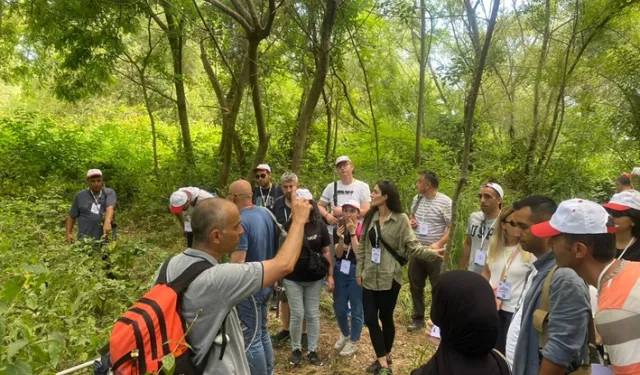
94 172
575 216
304 194
624 200
353 203
177 201
263 167
495 187
341 159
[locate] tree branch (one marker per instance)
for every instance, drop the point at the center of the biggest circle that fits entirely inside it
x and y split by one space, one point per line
231 13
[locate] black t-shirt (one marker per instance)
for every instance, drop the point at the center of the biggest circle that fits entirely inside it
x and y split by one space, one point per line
281 211
316 237
266 197
632 253
347 242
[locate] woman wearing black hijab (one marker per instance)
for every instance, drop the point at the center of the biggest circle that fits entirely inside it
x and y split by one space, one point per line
464 308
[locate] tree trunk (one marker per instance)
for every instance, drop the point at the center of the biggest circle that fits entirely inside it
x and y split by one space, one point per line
370 100
423 66
152 121
174 35
327 106
533 139
322 67
256 98
470 106
335 126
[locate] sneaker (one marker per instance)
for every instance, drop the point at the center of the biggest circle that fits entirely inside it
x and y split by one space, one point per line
384 371
416 325
374 367
313 358
348 349
342 341
389 359
295 358
280 337
304 341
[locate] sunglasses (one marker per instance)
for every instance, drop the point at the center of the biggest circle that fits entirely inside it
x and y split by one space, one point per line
614 213
259 176
510 222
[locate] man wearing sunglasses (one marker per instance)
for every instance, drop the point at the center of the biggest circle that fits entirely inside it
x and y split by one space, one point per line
266 192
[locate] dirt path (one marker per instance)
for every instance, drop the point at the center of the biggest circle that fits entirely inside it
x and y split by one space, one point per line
410 350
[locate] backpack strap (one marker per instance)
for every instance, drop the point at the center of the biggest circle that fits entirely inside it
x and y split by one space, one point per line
181 283
541 315
162 275
335 192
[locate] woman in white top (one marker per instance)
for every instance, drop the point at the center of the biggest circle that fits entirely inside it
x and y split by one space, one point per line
506 270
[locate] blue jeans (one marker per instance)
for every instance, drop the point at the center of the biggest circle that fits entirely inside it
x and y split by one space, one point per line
260 353
347 291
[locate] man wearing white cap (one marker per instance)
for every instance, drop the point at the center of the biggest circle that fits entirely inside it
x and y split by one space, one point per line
182 202
266 192
556 310
624 208
582 239
342 190
94 208
479 227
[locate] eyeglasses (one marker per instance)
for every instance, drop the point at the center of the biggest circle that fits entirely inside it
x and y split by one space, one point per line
259 176
614 213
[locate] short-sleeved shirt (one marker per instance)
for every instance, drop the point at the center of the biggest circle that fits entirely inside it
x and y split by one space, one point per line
197 195
480 229
349 252
258 236
618 317
89 223
266 197
435 212
316 237
211 297
356 190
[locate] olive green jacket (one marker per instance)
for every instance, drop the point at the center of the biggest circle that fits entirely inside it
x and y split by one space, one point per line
396 232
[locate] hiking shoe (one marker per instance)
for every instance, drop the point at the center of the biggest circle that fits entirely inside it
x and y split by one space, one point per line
384 371
416 325
295 358
348 349
342 341
304 341
280 337
374 367
313 358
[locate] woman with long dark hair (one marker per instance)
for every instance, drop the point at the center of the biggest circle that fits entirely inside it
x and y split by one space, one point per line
464 309
385 242
304 285
624 207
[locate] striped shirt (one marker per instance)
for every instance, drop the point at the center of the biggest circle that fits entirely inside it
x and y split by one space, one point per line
433 216
618 318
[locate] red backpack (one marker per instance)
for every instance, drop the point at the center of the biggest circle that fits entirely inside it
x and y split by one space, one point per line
153 328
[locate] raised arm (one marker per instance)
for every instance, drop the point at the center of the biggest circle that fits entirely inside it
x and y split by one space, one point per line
285 260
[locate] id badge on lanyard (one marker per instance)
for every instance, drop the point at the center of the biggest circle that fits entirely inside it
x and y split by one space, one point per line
375 251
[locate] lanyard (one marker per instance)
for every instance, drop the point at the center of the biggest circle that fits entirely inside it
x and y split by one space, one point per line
264 201
482 234
94 197
627 247
508 265
348 251
375 229
286 218
602 274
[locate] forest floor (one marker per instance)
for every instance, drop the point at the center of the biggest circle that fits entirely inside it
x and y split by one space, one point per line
410 350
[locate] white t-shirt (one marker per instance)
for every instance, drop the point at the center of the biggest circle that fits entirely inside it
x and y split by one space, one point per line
515 275
480 229
197 195
514 328
356 190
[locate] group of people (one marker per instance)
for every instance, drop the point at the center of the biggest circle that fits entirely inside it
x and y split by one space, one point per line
540 288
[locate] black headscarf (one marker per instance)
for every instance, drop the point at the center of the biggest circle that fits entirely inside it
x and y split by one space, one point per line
464 307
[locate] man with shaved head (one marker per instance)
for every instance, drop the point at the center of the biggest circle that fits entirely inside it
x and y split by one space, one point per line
257 244
209 301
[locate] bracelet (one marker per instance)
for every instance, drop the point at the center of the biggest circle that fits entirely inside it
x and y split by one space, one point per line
353 235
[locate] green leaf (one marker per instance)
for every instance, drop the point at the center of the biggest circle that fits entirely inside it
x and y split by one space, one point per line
10 289
54 348
19 368
15 347
35 268
168 364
